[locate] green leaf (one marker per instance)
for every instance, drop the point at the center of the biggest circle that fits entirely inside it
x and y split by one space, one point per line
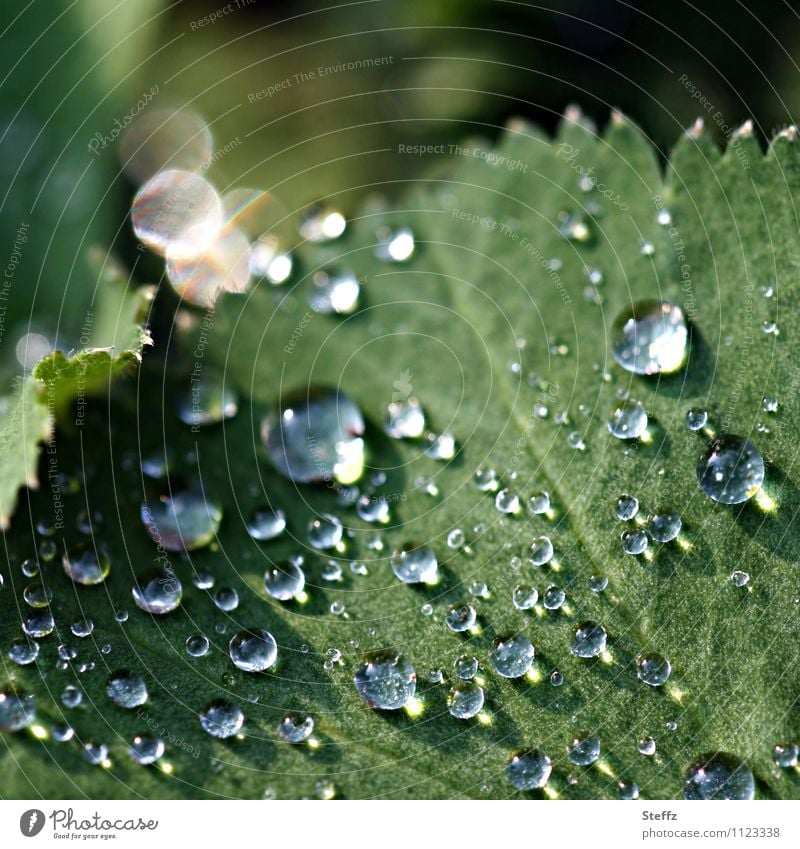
479 295
115 338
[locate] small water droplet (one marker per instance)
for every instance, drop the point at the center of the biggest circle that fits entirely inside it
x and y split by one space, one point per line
23 652
740 578
466 667
590 640
82 628
646 746
334 293
221 718
86 565
208 401
322 223
441 446
95 753
456 539
664 526
628 790
226 599
37 595
628 420
465 700
385 680
415 564
486 479
373 509
294 728
785 755
266 523
583 751
554 598
285 580
539 503
404 419
395 245
524 597
654 669
718 775
529 769
634 541
39 624
696 419
197 645
650 337
253 650
507 501
126 689
158 592
541 551
461 618
146 750
512 656
627 507
597 583
182 521
17 710
556 678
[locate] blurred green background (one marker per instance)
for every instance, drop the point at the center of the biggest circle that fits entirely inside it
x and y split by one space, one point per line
430 73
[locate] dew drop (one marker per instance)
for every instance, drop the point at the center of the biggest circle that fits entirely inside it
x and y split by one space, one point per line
82 628
295 728
95 753
316 436
556 678
385 680
158 592
253 650
285 581
226 599
404 419
740 578
37 595
730 469
465 700
696 419
718 775
554 598
785 755
539 503
628 420
334 293
86 565
646 746
627 507
529 769
486 480
322 223
628 790
441 446
634 541
653 669
266 523
415 564
466 667
597 583
23 652
456 539
650 338
590 640
506 501
221 718
39 624
583 751
126 689
461 618
524 597
325 532
183 521
395 245
146 750
373 509
541 551
197 645
512 656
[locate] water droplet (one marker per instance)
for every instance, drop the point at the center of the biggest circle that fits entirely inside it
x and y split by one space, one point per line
628 420
373 509
266 523
718 776
86 565
740 578
590 640
529 770
415 564
466 667
512 656
183 521
556 678
554 598
158 592
95 753
785 755
316 436
29 568
226 599
121 615
385 680
653 669
441 446
324 790
575 441
295 728
197 645
461 618
404 419
465 700
146 750
332 571
456 539
486 479
325 531
47 551
17 710
209 401
62 733
627 507
126 689
646 746
507 501
730 469
597 583
696 419
524 597
634 541
664 526
770 405
426 609
23 652
82 628
222 718
39 624
322 223
253 650
395 245
583 751
37 595
539 503
770 328
177 211
628 790
285 581
334 293
650 338
541 551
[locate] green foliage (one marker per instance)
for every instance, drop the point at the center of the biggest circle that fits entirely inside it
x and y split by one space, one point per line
479 295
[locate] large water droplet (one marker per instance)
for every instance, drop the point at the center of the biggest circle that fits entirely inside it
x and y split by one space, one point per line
628 420
39 624
461 618
86 565
415 564
524 597
541 551
158 592
285 580
325 531
650 337
23 652
529 769
465 700
177 211
253 650
222 718
316 436
664 526
17 710
718 776
512 656
590 640
197 645
385 680
126 689
730 469
183 521
634 541
295 728
146 750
